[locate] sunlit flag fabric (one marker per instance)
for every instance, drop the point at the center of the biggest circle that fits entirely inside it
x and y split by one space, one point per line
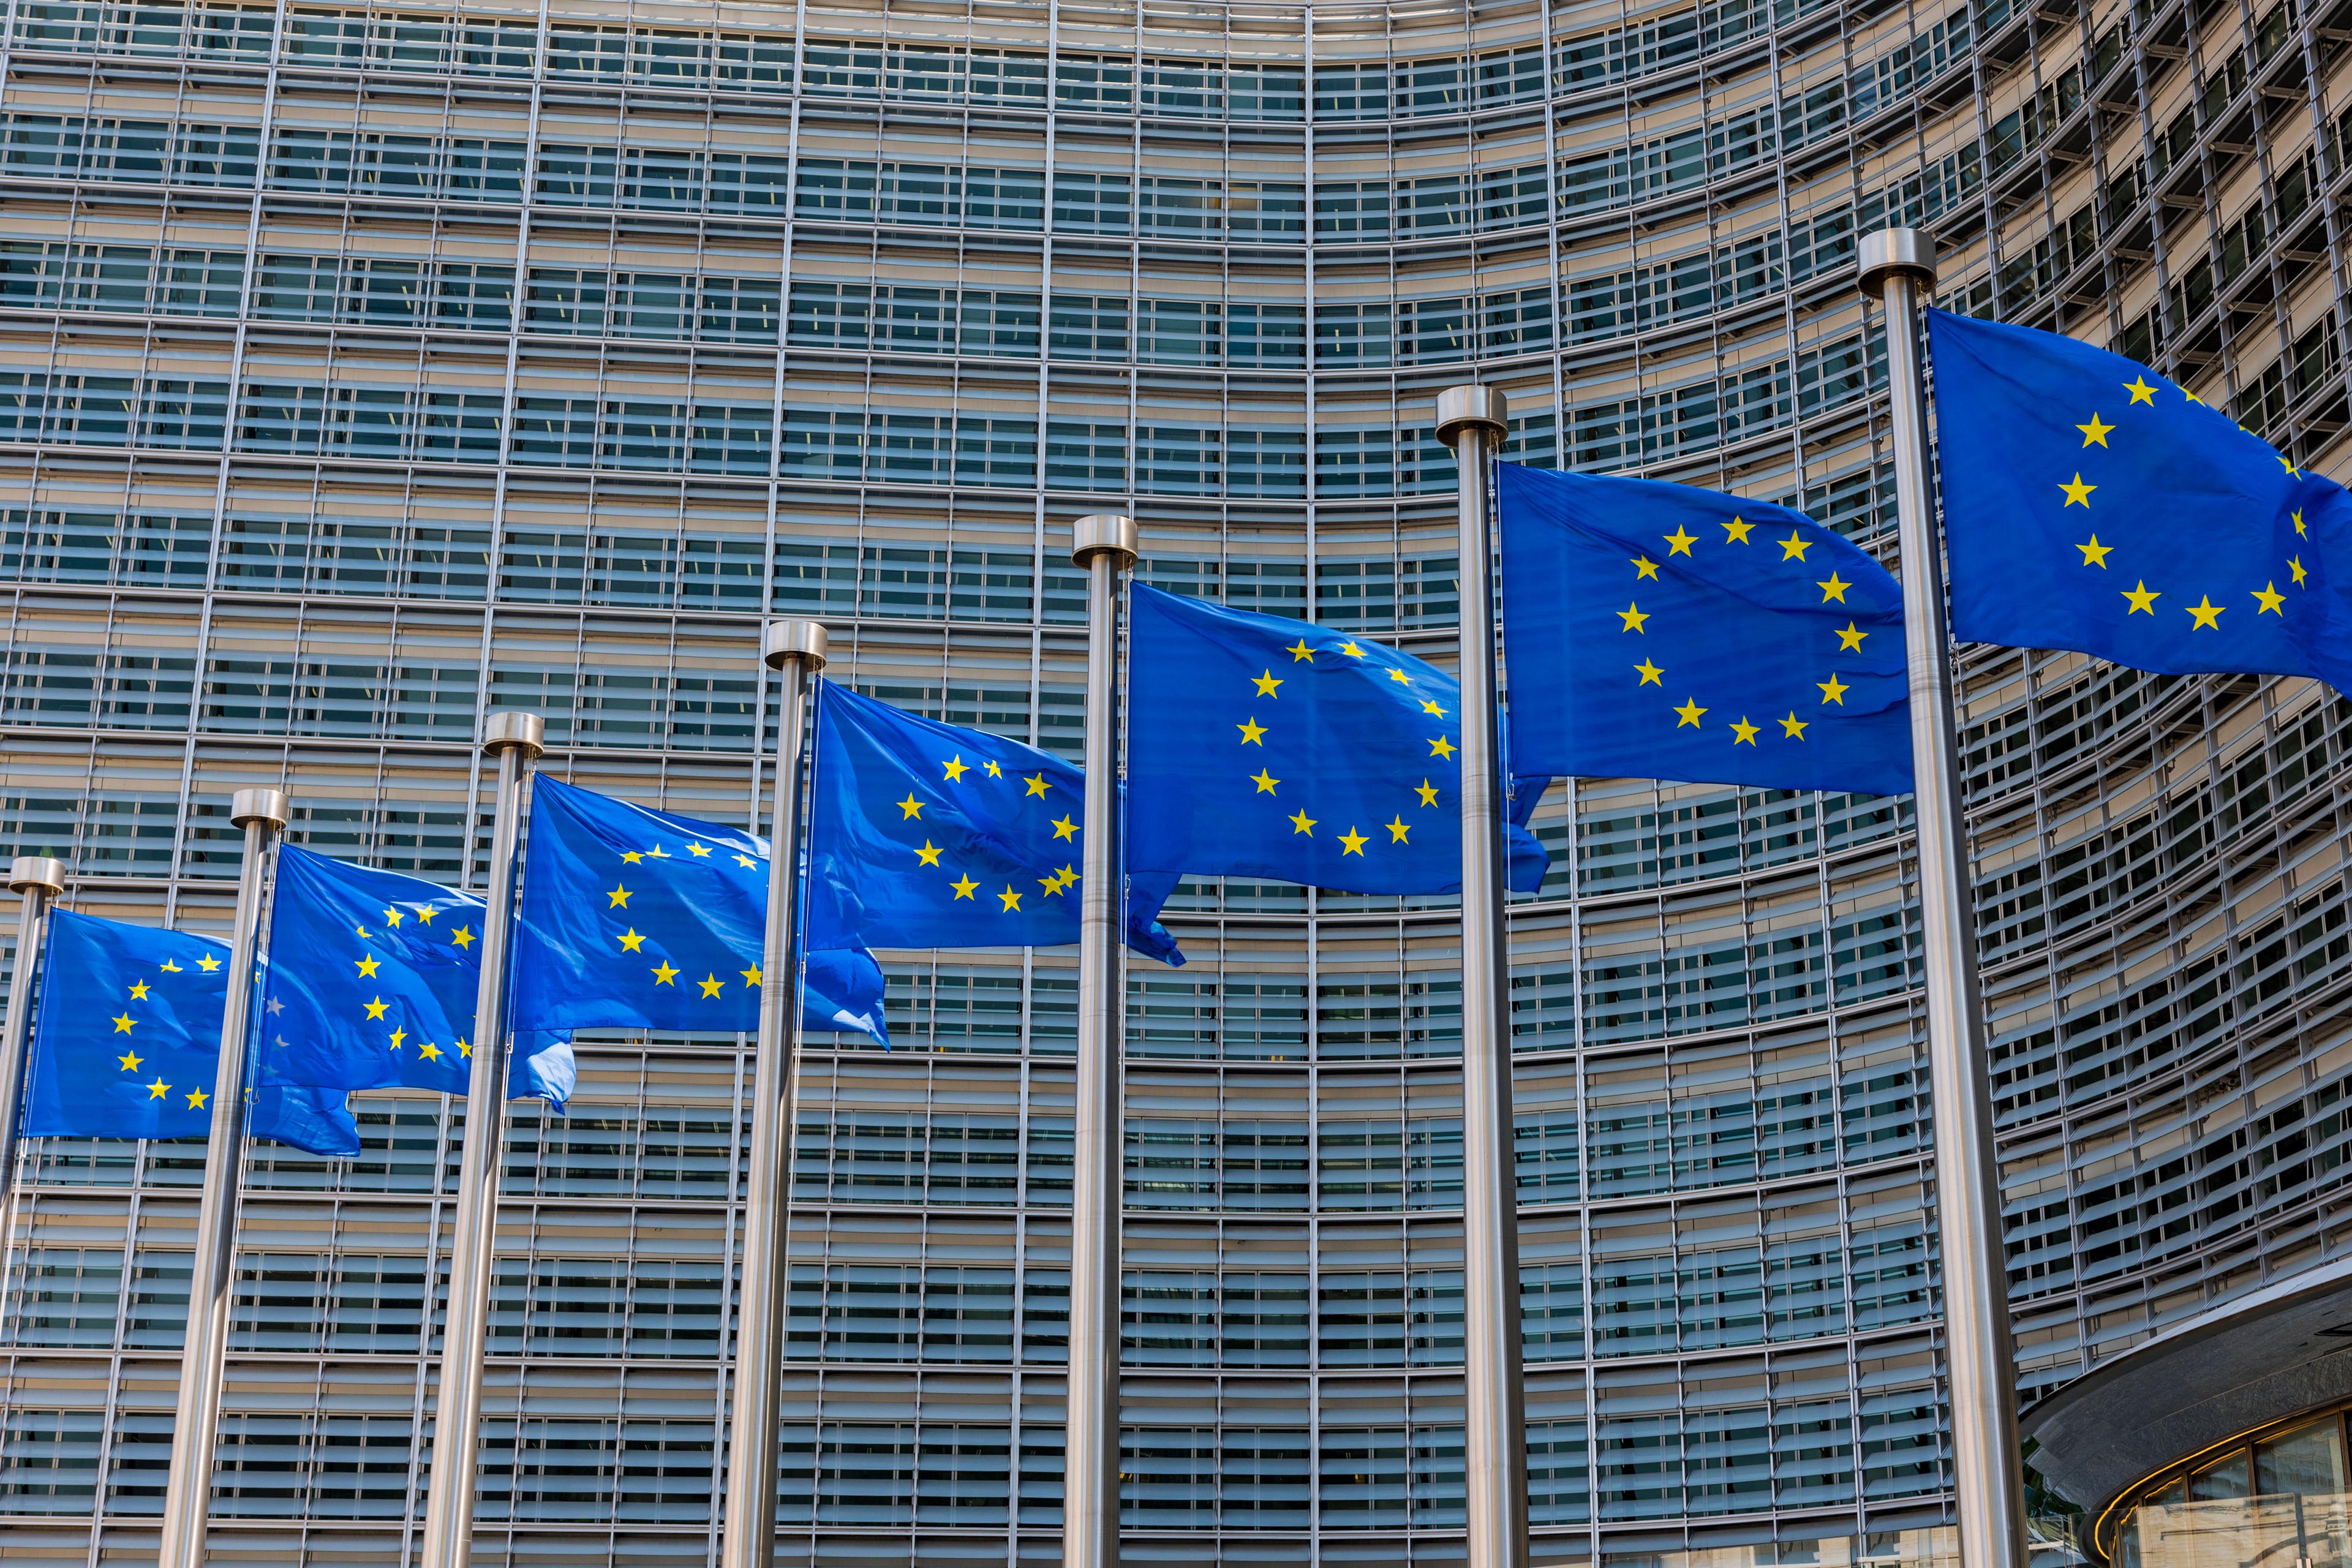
2090 504
634 918
372 984
1260 746
1661 631
929 835
126 1043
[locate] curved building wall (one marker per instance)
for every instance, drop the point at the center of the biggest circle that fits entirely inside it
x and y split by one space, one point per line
360 368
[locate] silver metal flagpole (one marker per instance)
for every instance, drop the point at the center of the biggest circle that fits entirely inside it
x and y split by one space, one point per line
516 739
1473 421
795 650
188 1491
35 879
1898 266
1105 544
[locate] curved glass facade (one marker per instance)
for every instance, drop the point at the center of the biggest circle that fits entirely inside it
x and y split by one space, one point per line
364 366
2279 1494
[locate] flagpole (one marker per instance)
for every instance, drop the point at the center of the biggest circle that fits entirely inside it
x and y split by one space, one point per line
1898 266
516 739
212 1282
1105 545
35 879
1473 421
795 650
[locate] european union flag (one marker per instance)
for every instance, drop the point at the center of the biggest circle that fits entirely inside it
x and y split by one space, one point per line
2090 504
621 904
126 1043
372 984
931 835
1264 747
1656 630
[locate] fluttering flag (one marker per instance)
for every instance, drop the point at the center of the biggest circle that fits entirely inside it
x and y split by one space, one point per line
126 1043
931 835
634 918
2090 504
1656 630
1260 746
372 982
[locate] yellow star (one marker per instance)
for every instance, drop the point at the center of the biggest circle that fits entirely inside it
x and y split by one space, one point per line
1401 678
1302 822
1792 727
196 1097
618 898
1743 732
1633 615
1679 542
1354 842
170 967
664 974
2295 565
1036 785
697 851
1397 831
123 1024
632 858
956 767
909 808
2271 599
2143 599
1069 875
398 1035
963 886
1008 898
2299 533
1793 548
2205 613
430 1051
1649 673
2078 494
657 853
1350 649
367 966
1442 747
1690 711
1433 709
751 977
995 771
158 1089
392 918
1064 828
208 963
1052 885
1299 650
1253 732
711 985
1833 689
929 854
1737 533
630 942
130 1062
464 937
2095 433
1834 588
1265 683
1645 567
376 1008
139 992
1849 639
2095 553
1265 782
2293 472
1427 791
363 934
747 862
424 913
463 1049
2141 391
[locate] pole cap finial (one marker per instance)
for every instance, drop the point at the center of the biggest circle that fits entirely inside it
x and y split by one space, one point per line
1897 253
524 732
247 807
1105 532
784 641
28 873
1461 409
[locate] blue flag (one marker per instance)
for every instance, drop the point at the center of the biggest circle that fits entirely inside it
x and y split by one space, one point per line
2090 504
931 835
371 984
126 1043
636 918
1264 747
1660 631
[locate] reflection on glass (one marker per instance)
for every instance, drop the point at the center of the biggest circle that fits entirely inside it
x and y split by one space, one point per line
2281 1503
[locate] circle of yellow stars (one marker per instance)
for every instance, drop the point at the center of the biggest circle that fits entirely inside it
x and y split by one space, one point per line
130 1061
1269 686
1034 786
376 1009
709 988
1688 714
2139 599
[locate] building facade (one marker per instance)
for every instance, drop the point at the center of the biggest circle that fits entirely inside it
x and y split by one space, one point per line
365 367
